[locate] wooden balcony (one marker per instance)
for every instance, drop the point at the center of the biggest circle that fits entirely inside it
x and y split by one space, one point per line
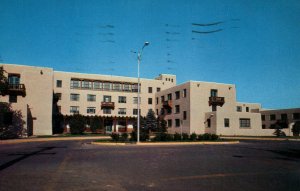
167 104
108 105
14 89
217 101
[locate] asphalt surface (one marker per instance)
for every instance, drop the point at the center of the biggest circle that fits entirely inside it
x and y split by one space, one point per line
77 165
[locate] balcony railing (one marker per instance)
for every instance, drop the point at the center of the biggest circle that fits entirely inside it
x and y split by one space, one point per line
108 105
167 104
14 89
217 101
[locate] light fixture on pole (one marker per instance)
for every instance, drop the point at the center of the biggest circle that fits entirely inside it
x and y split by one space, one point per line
139 57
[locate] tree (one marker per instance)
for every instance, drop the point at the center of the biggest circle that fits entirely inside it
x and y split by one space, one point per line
96 124
11 122
3 82
144 133
77 124
278 132
296 128
57 117
151 121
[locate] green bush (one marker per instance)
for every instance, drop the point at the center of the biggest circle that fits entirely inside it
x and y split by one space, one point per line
124 136
206 136
214 137
185 136
200 137
115 137
160 137
133 136
193 137
169 137
77 124
177 137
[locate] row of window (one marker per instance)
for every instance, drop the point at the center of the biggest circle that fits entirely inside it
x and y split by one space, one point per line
106 98
244 123
169 110
169 96
240 109
99 85
92 110
283 116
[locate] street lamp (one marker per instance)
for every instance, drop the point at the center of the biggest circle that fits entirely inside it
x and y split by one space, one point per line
139 57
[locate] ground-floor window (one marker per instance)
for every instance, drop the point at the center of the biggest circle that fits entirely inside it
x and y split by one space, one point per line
245 123
177 122
226 122
169 122
74 109
91 110
106 110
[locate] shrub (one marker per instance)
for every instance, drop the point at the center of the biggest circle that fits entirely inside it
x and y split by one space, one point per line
77 124
133 136
193 137
296 128
169 137
96 123
206 136
177 137
124 136
200 137
160 137
185 136
214 137
115 137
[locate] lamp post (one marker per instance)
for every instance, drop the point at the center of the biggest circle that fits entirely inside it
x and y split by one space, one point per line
139 58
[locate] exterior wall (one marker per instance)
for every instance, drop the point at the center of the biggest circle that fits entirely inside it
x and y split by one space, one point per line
292 116
38 99
184 105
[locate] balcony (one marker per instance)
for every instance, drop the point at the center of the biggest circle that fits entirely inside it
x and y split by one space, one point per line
108 105
14 89
167 104
217 101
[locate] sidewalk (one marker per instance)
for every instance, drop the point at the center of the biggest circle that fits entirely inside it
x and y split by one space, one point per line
33 139
263 138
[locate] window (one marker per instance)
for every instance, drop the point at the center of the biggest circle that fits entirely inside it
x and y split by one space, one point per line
58 83
272 117
263 126
106 98
91 110
184 93
75 83
177 109
169 122
122 111
13 99
13 78
150 101
177 95
135 111
284 116
135 88
263 117
157 89
122 99
86 84
296 116
135 100
169 96
245 123
213 108
106 110
177 122
239 108
91 97
127 87
74 97
156 100
184 115
106 86
149 89
74 109
213 93
162 99
162 111
117 86
247 109
208 123
156 111
58 96
97 85
226 122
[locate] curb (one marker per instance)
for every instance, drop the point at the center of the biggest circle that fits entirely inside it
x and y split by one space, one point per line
167 143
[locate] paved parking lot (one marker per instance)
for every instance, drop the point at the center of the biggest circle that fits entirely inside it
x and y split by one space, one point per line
78 165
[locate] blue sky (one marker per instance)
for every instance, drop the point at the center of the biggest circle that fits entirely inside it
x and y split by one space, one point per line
257 47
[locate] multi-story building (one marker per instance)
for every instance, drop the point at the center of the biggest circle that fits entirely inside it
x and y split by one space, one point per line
194 106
